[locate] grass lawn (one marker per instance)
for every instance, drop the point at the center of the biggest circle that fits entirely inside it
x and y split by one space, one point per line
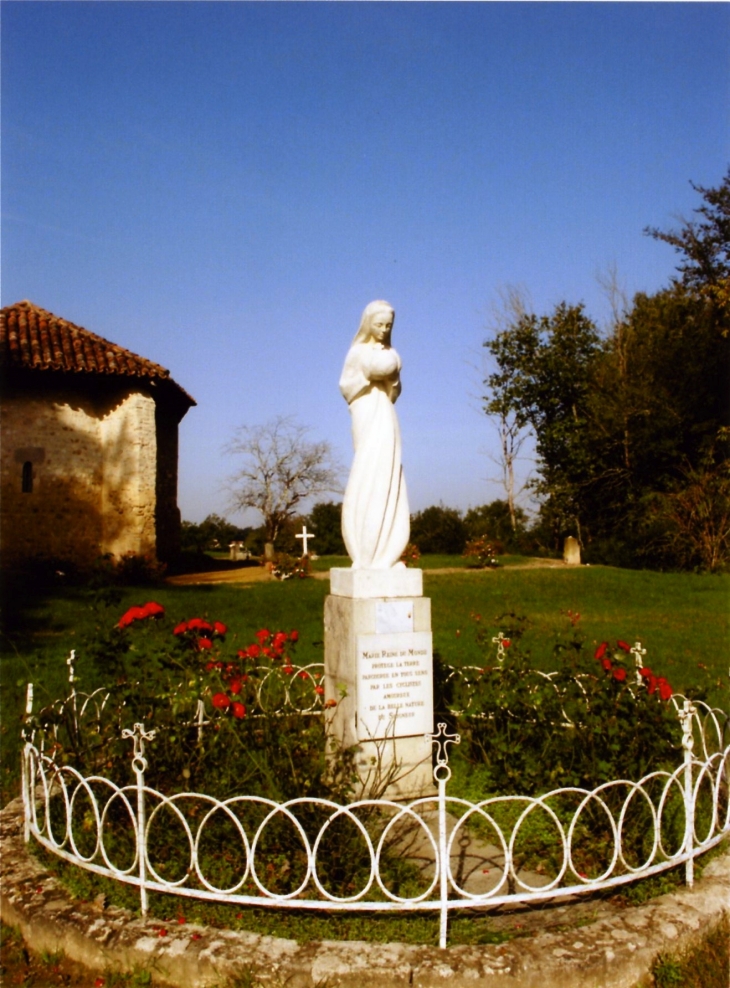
683 620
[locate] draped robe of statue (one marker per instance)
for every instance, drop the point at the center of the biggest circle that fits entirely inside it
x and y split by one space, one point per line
375 516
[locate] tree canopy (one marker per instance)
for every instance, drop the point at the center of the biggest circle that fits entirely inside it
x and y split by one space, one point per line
281 469
630 425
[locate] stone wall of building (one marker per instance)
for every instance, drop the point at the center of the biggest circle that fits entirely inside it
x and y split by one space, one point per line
77 469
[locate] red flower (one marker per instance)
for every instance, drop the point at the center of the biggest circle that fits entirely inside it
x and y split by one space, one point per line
619 674
235 686
294 636
624 646
239 710
652 684
645 672
152 609
289 670
133 614
331 703
506 642
221 701
162 932
606 663
181 919
263 635
304 675
209 666
194 623
253 651
204 643
319 689
181 628
665 690
601 650
195 936
99 983
219 628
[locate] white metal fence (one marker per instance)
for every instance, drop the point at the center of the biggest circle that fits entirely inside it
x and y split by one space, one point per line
462 853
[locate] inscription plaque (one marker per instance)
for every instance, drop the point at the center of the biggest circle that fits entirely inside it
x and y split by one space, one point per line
394 685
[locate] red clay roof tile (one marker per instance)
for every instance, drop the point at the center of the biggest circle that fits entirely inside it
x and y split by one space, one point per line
34 339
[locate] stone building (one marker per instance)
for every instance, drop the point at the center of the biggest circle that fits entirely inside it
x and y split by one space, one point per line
88 444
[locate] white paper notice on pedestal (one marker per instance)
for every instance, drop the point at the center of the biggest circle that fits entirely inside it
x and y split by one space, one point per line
394 685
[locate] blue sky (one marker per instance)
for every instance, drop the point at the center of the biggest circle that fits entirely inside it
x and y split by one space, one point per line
222 187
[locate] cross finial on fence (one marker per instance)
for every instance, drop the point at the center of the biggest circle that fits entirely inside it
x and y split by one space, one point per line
139 735
441 739
638 653
501 642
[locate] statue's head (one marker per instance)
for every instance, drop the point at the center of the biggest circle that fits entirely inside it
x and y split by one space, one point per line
376 323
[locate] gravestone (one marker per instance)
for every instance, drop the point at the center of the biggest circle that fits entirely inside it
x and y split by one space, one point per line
571 551
378 642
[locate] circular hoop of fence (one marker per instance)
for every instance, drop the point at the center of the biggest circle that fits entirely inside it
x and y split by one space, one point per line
250 850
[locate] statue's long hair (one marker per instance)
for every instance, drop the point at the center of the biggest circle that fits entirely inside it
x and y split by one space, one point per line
363 333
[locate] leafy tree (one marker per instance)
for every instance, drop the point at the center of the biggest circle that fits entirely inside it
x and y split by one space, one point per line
629 428
214 532
704 244
494 520
282 468
691 521
544 379
438 529
325 520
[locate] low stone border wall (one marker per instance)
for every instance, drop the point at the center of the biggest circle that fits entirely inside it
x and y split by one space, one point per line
613 952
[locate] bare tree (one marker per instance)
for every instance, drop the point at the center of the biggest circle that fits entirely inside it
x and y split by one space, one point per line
511 426
282 468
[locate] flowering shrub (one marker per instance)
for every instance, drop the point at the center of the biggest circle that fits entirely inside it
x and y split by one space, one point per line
411 555
207 697
151 609
222 729
592 720
483 552
285 566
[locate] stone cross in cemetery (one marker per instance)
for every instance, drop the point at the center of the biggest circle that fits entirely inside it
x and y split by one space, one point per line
378 641
305 536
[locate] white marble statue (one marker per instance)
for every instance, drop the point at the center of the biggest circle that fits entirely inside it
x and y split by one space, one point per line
375 517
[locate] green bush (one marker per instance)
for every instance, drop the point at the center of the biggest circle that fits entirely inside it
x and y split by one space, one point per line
438 530
586 723
226 724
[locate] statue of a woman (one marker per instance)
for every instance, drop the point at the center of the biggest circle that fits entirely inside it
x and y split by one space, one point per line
375 518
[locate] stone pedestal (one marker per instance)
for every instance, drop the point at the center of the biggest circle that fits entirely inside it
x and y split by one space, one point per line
379 669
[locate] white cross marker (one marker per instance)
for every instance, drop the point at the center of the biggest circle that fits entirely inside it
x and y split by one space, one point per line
305 536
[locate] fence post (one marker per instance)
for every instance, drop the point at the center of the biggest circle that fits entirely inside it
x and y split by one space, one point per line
685 716
139 764
442 774
26 787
